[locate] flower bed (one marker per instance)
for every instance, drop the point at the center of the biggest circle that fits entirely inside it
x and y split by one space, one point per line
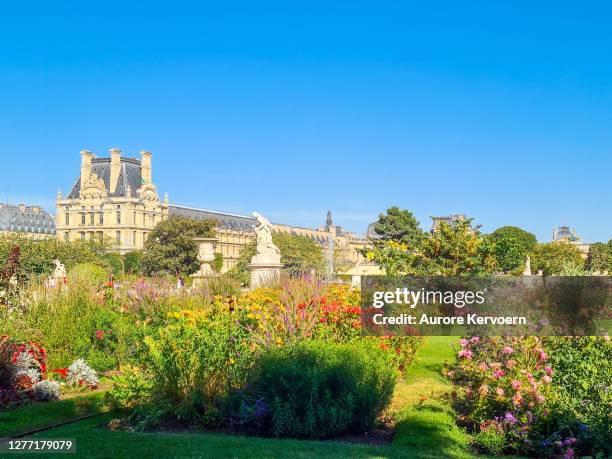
515 398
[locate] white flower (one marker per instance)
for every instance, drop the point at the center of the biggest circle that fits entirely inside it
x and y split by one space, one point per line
81 373
46 390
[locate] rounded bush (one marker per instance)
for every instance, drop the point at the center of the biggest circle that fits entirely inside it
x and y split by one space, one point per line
317 389
88 273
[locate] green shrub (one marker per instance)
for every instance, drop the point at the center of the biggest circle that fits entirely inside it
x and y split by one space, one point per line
490 440
88 274
316 389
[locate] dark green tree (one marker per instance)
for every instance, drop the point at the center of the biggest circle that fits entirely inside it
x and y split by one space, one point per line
171 249
508 252
526 241
399 225
554 258
131 262
599 258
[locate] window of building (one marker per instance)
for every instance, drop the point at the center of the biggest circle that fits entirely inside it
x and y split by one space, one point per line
101 217
92 220
118 237
82 233
67 219
82 218
134 238
66 236
118 217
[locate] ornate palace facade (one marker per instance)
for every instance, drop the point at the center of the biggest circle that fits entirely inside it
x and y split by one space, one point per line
30 221
115 199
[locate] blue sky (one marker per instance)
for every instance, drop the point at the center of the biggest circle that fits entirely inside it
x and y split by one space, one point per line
500 110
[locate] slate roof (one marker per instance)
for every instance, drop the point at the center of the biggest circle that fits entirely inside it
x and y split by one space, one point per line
224 220
130 173
13 219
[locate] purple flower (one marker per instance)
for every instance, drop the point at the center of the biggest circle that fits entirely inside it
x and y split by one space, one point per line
509 417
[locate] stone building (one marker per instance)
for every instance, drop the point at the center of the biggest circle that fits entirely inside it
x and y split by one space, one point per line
570 236
30 221
115 199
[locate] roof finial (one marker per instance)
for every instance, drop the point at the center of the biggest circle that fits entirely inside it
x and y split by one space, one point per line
329 221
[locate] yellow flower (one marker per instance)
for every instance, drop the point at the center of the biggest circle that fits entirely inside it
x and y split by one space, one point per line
231 361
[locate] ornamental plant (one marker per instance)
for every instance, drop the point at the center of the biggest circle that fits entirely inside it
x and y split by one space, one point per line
504 390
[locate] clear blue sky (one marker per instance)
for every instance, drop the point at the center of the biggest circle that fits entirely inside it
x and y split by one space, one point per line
500 110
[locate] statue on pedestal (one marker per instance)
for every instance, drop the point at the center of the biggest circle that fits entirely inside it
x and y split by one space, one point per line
265 266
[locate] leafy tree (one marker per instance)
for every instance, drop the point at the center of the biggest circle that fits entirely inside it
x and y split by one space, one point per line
171 249
451 250
599 258
299 254
457 249
556 257
508 252
527 241
398 225
131 261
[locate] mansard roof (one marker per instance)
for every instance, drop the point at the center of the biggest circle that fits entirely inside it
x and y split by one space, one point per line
223 219
130 174
22 219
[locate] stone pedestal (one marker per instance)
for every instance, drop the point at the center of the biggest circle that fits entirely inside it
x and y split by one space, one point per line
206 256
264 273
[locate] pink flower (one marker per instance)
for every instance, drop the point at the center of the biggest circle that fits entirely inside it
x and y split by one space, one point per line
498 374
510 363
496 365
507 350
465 353
569 453
517 400
548 370
463 342
516 385
543 355
546 379
530 378
483 390
500 392
474 339
483 366
540 398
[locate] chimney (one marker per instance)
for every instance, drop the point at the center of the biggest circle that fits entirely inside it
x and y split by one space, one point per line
146 166
86 157
115 168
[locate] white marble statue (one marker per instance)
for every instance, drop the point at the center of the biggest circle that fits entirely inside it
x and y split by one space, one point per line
60 271
527 270
267 252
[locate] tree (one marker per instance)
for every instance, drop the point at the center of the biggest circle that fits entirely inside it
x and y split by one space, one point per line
599 258
556 257
299 254
508 252
526 240
457 249
171 249
398 225
131 261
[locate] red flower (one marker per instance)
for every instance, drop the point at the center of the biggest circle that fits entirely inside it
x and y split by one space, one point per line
61 372
100 334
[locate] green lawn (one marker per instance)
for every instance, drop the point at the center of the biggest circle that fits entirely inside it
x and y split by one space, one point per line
425 428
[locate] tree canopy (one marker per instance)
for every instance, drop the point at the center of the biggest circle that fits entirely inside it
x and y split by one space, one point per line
398 225
599 258
170 247
556 257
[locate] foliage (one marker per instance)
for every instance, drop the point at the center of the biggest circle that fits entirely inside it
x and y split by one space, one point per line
526 241
81 374
316 389
551 257
399 225
599 258
88 274
131 262
508 253
299 254
170 248
529 395
217 264
37 256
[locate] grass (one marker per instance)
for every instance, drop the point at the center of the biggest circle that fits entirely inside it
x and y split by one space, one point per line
425 427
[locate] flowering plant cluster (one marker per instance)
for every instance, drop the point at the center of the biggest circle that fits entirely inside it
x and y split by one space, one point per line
23 373
529 395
